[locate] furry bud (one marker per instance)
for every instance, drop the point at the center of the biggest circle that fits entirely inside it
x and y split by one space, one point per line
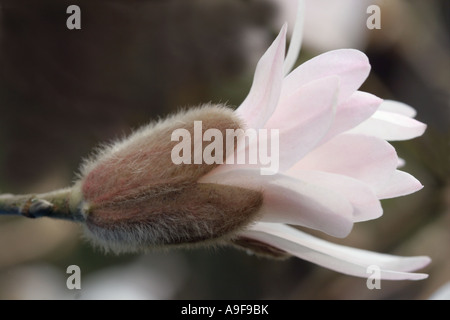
134 196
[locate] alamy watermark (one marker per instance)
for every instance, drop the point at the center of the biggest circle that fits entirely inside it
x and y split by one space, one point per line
374 280
74 20
374 20
74 280
251 147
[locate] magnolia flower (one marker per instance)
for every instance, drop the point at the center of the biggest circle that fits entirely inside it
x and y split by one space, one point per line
334 167
335 162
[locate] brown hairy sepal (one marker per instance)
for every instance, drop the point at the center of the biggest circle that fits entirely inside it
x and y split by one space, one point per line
134 197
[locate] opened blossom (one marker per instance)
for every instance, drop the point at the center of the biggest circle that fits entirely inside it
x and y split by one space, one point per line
335 165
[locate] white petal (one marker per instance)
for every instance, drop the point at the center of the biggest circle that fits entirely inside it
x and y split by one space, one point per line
265 91
391 126
296 39
400 184
398 107
304 119
289 200
351 66
339 258
368 159
358 108
366 205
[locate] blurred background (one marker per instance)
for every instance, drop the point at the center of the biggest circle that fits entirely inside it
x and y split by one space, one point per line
62 92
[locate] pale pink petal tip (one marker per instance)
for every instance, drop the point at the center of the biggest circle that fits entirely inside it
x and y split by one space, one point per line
365 158
366 205
351 261
265 91
304 119
398 107
358 108
400 184
351 66
391 126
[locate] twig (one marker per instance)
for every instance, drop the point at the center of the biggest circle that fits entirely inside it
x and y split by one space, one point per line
54 204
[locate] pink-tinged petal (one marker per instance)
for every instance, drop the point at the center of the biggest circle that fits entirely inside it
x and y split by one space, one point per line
265 91
400 184
304 119
339 258
351 66
358 108
366 205
398 107
391 126
296 38
307 205
368 159
289 200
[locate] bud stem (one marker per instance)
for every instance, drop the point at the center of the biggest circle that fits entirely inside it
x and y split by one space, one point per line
54 204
